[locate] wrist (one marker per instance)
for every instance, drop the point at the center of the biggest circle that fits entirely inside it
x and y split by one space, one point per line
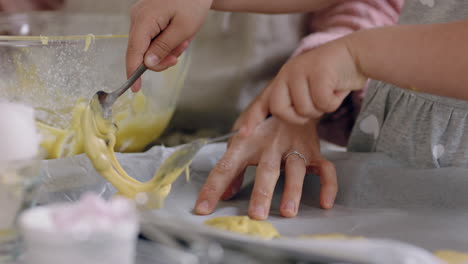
354 44
314 121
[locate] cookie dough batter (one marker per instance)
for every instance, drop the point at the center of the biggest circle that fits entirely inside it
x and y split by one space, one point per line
140 121
137 125
452 257
244 225
99 138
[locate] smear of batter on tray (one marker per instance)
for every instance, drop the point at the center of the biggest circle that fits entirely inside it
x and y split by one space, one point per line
452 257
244 225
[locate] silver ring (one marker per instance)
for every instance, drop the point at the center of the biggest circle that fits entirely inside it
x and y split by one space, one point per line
298 154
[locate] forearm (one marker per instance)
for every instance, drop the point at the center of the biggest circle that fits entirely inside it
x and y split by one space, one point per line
425 58
271 6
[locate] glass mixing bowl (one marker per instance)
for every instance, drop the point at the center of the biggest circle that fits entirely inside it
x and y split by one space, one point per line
57 61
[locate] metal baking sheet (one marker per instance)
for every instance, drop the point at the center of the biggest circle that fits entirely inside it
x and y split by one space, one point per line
404 213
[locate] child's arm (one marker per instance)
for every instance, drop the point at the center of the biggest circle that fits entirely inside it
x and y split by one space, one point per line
338 20
425 58
347 16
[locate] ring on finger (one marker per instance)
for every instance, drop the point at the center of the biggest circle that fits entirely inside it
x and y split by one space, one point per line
295 152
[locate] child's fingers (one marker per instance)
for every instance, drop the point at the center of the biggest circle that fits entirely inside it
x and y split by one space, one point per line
225 171
302 99
281 104
338 98
174 35
266 176
295 172
180 49
136 86
326 100
167 62
133 59
328 183
142 30
172 58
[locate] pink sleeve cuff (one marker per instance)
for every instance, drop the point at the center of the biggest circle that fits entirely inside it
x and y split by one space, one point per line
347 16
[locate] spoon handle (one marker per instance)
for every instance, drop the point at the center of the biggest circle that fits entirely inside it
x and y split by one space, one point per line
221 138
137 74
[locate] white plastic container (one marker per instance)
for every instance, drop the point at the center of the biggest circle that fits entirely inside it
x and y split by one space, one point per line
91 231
19 170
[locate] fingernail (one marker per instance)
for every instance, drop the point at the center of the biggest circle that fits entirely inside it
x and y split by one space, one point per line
259 211
151 60
186 45
203 207
135 88
328 203
290 207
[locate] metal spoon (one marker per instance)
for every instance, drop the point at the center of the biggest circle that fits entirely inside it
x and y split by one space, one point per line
182 157
106 100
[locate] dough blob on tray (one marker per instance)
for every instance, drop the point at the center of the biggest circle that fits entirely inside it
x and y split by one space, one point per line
244 225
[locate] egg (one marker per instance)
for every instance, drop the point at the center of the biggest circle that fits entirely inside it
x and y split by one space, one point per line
19 139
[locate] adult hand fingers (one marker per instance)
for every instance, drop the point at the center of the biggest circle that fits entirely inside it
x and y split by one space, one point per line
225 171
234 187
267 174
328 183
255 114
295 173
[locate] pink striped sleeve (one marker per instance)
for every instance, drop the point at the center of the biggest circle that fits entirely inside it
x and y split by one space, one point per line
347 16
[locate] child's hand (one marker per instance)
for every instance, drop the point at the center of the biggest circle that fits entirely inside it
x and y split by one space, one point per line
268 148
309 85
174 22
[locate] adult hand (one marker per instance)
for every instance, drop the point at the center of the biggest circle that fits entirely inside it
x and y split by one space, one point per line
267 148
171 23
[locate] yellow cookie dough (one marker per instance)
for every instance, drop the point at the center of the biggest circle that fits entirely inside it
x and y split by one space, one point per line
331 236
137 125
244 225
452 257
